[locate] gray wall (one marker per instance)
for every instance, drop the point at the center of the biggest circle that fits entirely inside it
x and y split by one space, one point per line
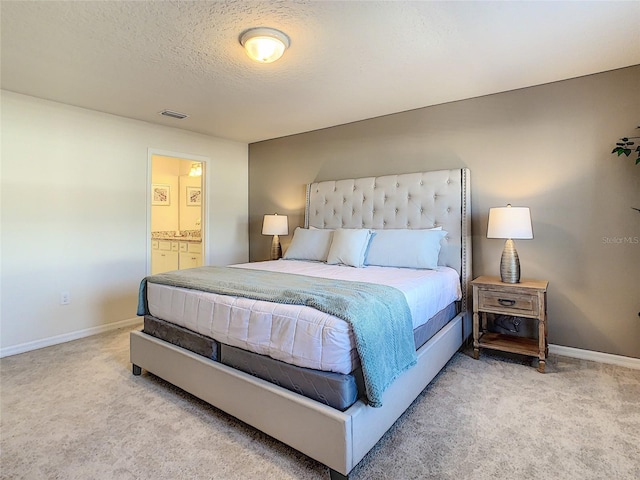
546 147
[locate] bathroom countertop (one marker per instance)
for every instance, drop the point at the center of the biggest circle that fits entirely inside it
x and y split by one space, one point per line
179 239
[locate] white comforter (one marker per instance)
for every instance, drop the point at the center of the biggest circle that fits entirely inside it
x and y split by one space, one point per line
295 334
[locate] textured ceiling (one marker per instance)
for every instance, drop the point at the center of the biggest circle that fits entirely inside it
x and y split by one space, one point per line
348 61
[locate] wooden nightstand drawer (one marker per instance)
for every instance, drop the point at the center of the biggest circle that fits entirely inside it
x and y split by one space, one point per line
519 304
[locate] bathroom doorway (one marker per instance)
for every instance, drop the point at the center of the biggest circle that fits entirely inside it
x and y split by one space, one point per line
176 211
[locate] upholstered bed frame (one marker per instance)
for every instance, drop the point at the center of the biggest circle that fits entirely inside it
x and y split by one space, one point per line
335 438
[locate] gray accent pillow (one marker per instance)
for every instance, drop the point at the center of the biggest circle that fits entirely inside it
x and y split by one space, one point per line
405 248
309 244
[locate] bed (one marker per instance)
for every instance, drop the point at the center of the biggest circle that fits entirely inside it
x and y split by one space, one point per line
337 435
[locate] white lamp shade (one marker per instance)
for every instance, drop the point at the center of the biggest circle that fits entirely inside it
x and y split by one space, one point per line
275 225
509 222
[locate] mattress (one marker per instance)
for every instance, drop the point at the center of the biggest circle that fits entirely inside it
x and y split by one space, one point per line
337 390
294 334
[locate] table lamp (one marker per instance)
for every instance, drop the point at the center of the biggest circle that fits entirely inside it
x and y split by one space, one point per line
509 222
275 225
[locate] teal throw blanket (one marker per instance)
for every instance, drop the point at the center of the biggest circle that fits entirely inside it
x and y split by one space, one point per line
378 314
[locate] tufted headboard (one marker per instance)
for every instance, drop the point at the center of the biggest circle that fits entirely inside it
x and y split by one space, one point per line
412 200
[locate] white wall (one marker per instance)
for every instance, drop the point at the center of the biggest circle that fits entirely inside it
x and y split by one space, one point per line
73 204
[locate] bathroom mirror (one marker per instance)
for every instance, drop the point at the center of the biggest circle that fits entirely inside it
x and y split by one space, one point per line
176 208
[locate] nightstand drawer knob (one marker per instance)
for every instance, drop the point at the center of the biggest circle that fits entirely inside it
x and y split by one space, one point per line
506 303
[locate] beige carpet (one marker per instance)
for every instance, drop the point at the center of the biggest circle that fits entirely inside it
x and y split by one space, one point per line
74 411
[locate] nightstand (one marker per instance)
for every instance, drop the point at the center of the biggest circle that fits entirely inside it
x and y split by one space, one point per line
525 299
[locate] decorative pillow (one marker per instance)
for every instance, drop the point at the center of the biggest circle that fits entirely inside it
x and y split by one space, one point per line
309 245
349 246
405 248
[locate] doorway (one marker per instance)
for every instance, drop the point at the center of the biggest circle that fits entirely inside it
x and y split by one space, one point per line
176 212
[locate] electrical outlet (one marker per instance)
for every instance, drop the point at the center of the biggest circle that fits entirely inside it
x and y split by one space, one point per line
65 298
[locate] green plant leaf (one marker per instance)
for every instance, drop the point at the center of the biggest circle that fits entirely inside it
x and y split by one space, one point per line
637 160
627 151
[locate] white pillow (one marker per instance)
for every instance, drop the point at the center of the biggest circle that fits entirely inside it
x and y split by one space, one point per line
349 246
405 248
309 245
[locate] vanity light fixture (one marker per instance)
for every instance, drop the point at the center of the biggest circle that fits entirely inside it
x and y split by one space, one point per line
509 223
263 44
196 170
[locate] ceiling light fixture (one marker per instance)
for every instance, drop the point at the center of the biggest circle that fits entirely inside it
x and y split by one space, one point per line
264 45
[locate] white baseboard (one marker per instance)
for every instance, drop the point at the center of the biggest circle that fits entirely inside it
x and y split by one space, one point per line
619 360
67 337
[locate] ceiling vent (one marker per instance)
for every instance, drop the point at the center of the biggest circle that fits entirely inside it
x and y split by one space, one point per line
172 114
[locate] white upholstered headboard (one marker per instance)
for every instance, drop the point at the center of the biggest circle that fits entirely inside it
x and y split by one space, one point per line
412 200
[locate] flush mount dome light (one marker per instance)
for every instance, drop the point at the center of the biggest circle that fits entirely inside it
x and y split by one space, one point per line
264 45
